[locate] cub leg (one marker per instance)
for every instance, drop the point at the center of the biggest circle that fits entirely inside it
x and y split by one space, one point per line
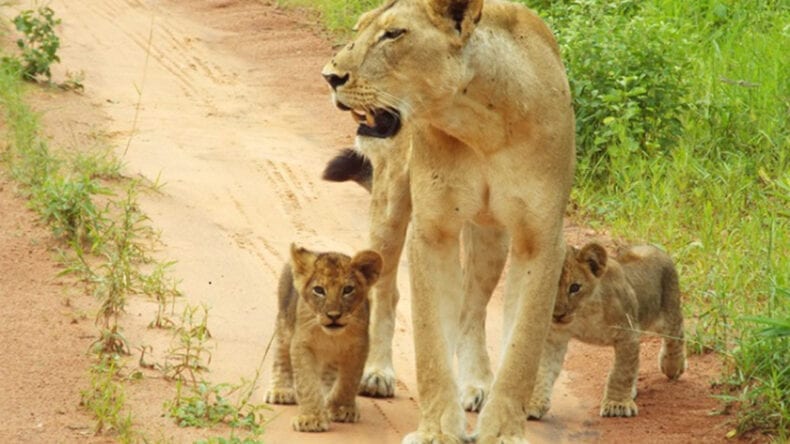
281 390
342 399
312 415
550 366
390 211
672 357
436 299
536 257
485 249
620 389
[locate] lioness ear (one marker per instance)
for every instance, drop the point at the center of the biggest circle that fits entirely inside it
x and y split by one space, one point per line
461 15
368 263
302 260
594 255
367 17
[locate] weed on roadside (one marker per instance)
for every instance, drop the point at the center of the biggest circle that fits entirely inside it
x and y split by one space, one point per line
189 355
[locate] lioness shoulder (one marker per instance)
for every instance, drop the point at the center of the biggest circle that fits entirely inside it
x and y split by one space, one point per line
322 335
611 301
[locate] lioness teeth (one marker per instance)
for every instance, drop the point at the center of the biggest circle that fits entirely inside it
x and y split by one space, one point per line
371 121
358 116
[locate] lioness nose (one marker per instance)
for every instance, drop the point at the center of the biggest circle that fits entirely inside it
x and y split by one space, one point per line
335 80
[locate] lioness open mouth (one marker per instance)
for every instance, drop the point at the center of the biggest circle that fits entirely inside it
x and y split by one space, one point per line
380 123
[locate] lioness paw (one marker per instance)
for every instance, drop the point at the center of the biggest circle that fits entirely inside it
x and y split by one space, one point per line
344 413
377 384
280 396
473 398
311 423
625 408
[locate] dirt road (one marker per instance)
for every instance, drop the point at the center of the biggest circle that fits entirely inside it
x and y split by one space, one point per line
222 100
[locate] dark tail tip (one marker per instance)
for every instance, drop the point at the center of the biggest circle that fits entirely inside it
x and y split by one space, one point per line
349 165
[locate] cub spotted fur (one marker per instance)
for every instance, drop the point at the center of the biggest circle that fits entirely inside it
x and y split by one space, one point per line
322 335
604 301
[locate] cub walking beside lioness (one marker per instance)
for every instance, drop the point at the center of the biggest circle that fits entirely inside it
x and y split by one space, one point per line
604 301
322 335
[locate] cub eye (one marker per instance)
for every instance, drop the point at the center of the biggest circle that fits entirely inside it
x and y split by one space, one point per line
392 34
347 290
319 291
574 288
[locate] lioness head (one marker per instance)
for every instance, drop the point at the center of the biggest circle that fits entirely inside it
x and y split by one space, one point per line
334 285
580 276
406 57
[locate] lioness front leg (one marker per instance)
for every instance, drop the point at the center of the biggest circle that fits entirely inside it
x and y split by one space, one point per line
390 211
436 299
485 249
620 390
531 282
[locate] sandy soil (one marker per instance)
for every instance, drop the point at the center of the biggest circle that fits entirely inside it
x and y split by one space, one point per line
224 100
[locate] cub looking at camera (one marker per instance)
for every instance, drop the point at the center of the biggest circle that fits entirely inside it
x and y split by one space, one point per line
322 335
604 301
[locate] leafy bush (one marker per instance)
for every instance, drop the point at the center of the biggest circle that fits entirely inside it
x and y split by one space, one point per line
40 44
628 82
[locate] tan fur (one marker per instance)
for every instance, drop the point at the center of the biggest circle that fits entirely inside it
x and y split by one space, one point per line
488 137
610 302
322 335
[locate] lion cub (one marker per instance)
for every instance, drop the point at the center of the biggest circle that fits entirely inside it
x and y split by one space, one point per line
322 335
604 301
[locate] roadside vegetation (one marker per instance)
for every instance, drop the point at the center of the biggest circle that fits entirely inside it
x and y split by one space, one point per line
683 140
106 242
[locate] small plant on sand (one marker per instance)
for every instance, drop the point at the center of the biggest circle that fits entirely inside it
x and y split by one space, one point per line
40 43
189 356
105 398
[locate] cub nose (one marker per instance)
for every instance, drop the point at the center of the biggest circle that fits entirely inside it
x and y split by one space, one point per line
335 80
333 315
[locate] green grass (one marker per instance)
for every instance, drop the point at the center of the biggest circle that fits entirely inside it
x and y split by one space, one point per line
684 141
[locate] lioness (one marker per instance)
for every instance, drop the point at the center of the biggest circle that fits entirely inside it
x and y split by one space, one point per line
604 301
475 102
322 329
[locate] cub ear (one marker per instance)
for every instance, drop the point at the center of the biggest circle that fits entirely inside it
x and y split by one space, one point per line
462 15
302 260
368 263
595 257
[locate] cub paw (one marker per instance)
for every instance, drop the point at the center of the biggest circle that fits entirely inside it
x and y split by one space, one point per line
344 413
280 396
672 365
502 440
434 438
473 398
377 384
310 423
537 410
625 408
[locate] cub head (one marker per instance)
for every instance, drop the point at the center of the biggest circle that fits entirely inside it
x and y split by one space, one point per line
406 57
580 277
334 285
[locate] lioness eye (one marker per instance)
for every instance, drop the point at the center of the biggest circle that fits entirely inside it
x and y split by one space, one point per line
392 34
574 288
347 290
319 291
